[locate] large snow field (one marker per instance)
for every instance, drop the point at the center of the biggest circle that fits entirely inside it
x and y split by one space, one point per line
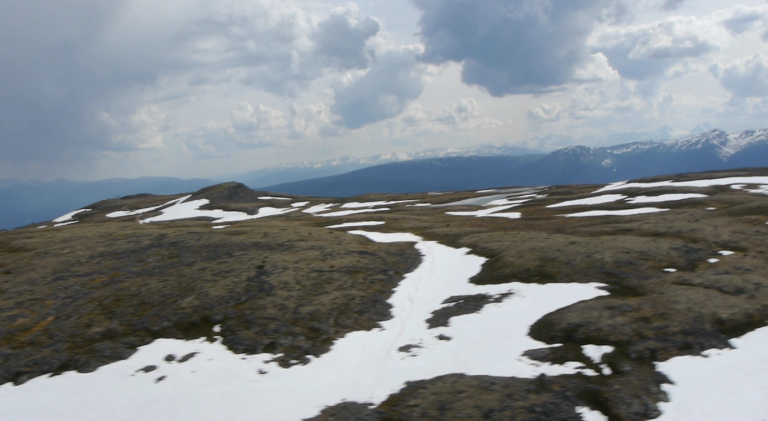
729 384
363 366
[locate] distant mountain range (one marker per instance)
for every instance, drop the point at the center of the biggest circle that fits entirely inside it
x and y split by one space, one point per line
713 150
289 173
22 203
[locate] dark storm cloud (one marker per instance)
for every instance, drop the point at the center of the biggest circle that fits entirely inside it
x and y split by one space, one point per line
393 81
511 47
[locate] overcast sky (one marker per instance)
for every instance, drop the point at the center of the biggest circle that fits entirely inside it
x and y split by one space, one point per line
92 89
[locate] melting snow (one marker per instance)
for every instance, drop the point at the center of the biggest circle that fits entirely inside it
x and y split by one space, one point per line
482 212
358 224
320 208
665 198
728 384
66 223
187 210
69 216
625 212
274 198
590 415
352 212
713 260
670 270
120 214
695 183
596 352
356 205
221 227
364 366
42 226
726 253
711 209
487 191
299 204
608 198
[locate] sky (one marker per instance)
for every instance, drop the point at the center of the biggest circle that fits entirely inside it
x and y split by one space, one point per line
94 89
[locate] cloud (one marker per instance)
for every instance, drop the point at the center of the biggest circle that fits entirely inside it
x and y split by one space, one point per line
649 51
744 78
78 75
511 47
459 116
340 40
741 19
670 5
248 127
394 80
545 113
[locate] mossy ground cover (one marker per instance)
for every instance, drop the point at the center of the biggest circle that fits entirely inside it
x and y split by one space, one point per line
81 296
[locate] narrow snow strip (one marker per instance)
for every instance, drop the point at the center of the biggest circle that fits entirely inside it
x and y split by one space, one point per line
624 212
509 215
486 191
727 384
352 212
358 224
665 198
221 227
695 183
596 352
274 198
590 415
187 210
608 198
419 205
726 253
482 212
357 205
66 223
670 270
69 216
435 193
477 201
120 214
502 202
738 186
42 226
711 209
713 260
320 208
299 204
363 366
760 190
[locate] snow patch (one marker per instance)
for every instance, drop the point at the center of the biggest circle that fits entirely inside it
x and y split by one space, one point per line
323 207
352 212
274 198
694 183
588 414
665 198
66 223
358 224
120 214
596 352
713 260
357 205
625 212
187 210
608 198
726 253
728 384
69 216
670 270
299 204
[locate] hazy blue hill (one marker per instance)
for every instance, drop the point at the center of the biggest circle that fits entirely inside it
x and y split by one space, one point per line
24 203
455 173
710 151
